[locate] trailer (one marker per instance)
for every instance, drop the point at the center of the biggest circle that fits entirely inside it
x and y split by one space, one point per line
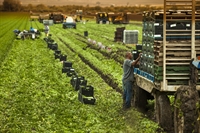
169 65
56 17
34 16
119 18
43 17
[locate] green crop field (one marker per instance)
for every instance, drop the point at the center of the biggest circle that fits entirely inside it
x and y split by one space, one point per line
35 96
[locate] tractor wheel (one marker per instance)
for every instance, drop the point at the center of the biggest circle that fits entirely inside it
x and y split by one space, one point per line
185 110
139 98
163 111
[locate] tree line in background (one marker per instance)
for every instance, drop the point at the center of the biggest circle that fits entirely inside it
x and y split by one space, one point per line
15 5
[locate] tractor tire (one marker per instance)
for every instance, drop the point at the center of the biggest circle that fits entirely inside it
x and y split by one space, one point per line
186 113
139 98
163 111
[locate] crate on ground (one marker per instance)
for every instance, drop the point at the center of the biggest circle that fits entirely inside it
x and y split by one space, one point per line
86 94
86 100
78 81
71 72
67 66
119 34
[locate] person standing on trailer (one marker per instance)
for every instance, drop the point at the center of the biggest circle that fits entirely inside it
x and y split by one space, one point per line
128 78
46 30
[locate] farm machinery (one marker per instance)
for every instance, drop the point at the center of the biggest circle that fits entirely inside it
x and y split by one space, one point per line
57 17
27 34
168 69
79 15
102 18
69 23
115 18
34 16
43 17
119 18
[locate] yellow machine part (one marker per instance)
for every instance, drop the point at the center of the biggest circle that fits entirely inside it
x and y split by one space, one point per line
118 18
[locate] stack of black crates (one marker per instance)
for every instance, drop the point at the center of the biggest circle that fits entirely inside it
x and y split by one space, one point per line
68 69
85 92
147 60
119 33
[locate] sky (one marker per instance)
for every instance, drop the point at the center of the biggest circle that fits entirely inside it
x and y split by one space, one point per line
91 2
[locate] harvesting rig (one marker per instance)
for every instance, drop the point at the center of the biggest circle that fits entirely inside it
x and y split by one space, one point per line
169 65
102 18
69 23
43 17
79 15
57 17
34 16
119 18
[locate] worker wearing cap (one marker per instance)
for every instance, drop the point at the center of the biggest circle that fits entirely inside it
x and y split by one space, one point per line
128 78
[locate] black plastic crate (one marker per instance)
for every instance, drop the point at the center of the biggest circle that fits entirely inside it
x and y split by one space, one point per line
87 90
66 69
71 72
57 56
73 80
197 26
57 52
54 46
79 81
86 33
49 44
86 100
67 64
63 57
120 29
76 80
138 47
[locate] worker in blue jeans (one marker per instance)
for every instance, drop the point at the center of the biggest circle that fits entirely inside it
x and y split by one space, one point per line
128 78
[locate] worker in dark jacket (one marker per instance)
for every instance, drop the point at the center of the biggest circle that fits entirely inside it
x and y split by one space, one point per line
128 78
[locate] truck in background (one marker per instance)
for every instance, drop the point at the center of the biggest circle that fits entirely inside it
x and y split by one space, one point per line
57 17
119 18
43 17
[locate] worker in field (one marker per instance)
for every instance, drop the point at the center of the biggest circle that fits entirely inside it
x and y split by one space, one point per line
128 78
46 30
32 30
21 35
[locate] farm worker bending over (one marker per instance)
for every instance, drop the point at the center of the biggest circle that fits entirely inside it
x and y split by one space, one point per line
46 29
128 78
33 30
